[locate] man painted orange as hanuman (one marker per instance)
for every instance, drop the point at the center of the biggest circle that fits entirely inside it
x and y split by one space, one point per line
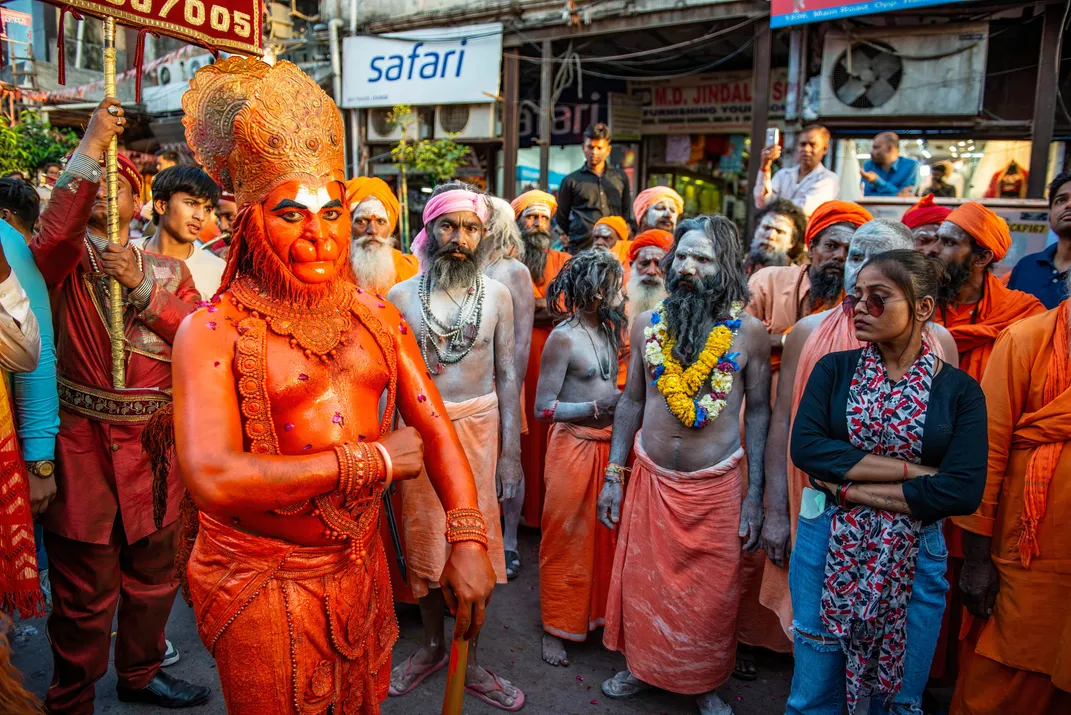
278 434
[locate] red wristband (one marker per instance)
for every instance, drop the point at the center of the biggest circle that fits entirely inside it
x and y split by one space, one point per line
905 471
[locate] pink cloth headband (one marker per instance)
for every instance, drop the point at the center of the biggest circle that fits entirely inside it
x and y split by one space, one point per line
449 202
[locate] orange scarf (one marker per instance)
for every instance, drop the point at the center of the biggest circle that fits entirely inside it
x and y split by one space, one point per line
19 586
999 307
1042 465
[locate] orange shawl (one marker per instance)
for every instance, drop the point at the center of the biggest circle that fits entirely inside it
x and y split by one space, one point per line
20 588
1030 433
999 307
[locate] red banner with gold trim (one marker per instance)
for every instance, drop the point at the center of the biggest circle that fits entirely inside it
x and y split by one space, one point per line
223 25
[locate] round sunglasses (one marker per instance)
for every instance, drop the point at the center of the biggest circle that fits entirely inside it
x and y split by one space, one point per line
875 304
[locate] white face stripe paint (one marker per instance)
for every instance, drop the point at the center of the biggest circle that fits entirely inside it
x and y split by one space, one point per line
537 209
371 207
313 199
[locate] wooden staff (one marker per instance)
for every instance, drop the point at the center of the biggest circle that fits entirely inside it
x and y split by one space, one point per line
111 167
455 678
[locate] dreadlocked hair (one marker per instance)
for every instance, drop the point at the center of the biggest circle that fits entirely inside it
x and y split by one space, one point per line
590 281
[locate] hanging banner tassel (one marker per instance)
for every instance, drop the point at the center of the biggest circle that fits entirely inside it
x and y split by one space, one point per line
61 51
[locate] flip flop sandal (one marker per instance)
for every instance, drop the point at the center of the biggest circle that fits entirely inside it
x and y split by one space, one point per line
430 669
513 565
628 689
518 701
741 673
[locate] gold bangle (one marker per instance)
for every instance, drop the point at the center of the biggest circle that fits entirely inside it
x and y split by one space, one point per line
386 463
465 525
345 468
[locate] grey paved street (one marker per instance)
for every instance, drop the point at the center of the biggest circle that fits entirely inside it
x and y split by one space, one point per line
509 646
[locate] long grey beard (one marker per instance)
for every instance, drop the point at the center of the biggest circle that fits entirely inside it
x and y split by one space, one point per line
536 244
642 297
691 313
373 265
451 274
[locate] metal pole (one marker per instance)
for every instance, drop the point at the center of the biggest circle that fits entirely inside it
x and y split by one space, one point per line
545 113
1045 101
510 140
111 166
760 105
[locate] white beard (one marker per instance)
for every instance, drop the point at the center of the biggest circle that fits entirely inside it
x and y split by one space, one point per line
642 297
373 264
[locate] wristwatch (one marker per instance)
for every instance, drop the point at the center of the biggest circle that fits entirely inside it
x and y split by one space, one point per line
42 469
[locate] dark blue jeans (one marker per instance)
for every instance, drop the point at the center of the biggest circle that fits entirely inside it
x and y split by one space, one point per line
818 683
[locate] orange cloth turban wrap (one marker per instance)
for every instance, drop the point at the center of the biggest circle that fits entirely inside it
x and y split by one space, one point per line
986 228
834 212
651 237
360 188
649 197
531 198
617 224
924 212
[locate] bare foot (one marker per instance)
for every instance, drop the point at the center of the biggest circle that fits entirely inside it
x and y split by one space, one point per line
623 685
492 689
416 668
554 650
711 704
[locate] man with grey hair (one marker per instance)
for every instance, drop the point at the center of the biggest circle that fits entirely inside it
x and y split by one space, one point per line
812 338
887 173
502 263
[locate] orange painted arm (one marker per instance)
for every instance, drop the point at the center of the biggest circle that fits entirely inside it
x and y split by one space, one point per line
222 477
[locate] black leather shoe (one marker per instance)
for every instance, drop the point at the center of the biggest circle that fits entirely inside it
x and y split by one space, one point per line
166 692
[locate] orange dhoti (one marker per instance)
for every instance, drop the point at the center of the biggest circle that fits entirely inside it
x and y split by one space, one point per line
423 518
576 554
293 629
534 443
675 587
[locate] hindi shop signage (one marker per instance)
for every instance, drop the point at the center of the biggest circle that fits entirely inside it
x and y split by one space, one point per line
784 13
716 102
425 67
222 25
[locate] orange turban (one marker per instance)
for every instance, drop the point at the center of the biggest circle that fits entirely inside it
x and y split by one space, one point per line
986 228
925 212
531 198
651 237
834 212
649 197
360 188
617 224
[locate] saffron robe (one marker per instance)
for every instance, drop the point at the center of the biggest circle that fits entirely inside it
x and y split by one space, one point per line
780 297
1030 629
576 553
678 556
423 519
534 444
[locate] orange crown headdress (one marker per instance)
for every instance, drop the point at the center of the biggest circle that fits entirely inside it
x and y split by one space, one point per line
254 126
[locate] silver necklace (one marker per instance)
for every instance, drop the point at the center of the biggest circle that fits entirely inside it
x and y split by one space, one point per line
449 343
604 371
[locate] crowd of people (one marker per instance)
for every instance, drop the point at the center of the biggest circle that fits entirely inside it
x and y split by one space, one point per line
725 444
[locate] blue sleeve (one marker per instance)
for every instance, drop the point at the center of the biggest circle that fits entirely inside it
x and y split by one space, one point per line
36 399
956 489
812 447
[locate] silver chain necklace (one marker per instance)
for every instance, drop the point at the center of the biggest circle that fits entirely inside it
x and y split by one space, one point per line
449 343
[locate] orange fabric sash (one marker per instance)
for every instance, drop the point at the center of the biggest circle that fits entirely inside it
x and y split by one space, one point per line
999 307
20 588
576 554
1046 430
678 557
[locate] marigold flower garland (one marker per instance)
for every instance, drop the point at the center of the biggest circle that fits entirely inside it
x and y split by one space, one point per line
679 385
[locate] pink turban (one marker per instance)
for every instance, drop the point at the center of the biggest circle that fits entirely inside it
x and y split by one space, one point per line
449 202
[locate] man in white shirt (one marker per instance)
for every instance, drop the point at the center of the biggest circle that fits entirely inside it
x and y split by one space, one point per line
182 201
808 184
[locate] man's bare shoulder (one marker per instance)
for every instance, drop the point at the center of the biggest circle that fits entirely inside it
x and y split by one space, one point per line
402 291
209 331
752 327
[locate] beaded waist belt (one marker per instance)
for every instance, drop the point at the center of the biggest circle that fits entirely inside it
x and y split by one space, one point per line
127 406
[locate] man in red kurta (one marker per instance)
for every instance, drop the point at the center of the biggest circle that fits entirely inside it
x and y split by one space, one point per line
975 307
103 548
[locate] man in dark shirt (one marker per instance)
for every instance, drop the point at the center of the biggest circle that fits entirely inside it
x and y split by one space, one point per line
592 191
1044 274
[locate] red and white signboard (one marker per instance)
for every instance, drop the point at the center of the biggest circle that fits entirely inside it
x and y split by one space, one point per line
223 25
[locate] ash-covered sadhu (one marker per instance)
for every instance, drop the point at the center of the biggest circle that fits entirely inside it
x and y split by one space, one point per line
277 427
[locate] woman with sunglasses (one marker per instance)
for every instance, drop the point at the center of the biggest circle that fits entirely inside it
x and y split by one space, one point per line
893 440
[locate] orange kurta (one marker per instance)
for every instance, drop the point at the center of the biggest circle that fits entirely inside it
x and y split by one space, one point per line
406 265
620 251
576 554
423 519
780 297
675 587
1027 640
534 444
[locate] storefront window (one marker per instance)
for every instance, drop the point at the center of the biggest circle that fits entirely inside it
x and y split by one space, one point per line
953 167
